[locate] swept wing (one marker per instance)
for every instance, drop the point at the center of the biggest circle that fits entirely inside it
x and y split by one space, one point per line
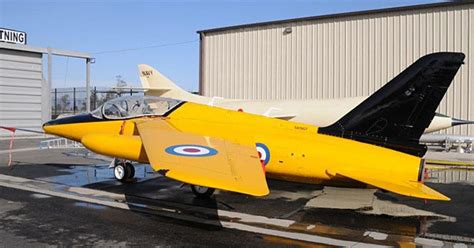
200 160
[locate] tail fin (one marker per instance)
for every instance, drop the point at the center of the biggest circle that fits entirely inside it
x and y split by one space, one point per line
396 115
157 84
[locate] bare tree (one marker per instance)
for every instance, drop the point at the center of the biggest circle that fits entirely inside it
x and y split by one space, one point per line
120 84
64 102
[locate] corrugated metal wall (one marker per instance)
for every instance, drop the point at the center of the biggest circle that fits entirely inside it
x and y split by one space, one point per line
339 57
21 90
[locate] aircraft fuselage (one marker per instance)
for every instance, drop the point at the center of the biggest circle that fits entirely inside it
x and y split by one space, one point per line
289 151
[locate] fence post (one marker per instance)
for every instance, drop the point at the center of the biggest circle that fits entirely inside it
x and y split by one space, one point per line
56 101
95 97
131 92
47 111
74 100
88 85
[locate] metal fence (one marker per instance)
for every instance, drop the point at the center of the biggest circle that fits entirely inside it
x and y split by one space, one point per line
67 101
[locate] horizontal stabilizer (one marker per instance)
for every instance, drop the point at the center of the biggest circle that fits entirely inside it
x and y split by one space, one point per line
457 122
407 188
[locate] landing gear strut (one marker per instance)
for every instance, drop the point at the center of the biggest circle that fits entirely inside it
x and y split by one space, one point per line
202 192
124 172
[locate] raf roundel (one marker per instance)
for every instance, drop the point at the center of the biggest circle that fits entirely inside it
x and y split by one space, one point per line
263 153
191 150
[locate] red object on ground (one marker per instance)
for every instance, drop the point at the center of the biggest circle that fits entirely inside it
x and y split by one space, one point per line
12 130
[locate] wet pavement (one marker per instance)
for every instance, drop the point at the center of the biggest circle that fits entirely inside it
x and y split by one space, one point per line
36 220
71 198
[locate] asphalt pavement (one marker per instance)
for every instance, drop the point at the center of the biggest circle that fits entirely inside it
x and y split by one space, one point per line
67 197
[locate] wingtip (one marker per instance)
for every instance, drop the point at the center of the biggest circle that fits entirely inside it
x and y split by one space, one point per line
441 198
260 194
266 192
437 196
431 194
445 199
259 191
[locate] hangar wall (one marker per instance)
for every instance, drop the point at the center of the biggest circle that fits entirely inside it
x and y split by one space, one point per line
25 94
21 89
340 55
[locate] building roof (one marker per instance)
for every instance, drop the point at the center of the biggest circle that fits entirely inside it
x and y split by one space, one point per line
329 16
54 51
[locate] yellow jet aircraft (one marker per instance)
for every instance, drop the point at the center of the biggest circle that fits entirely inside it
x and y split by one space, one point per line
375 144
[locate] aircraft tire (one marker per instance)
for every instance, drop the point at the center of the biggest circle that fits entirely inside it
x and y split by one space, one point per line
202 192
130 171
124 172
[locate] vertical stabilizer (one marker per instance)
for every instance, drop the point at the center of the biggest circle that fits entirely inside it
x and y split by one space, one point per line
397 114
156 84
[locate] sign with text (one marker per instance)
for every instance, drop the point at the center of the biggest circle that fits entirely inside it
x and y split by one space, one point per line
12 36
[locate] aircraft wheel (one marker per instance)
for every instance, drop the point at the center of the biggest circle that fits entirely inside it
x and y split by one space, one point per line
202 192
124 172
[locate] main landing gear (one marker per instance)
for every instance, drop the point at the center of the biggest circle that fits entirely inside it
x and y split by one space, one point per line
124 171
202 192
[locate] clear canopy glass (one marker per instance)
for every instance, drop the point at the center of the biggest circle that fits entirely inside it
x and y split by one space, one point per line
136 106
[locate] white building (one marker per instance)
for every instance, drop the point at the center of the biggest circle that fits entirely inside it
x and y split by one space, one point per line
340 55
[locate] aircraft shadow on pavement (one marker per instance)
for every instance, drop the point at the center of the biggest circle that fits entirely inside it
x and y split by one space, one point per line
166 198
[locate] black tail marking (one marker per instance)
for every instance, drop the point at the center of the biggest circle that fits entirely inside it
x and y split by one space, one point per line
397 114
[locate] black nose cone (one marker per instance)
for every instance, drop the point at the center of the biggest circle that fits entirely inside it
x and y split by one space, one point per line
80 118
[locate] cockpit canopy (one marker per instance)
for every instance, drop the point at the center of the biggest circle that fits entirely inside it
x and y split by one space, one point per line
135 106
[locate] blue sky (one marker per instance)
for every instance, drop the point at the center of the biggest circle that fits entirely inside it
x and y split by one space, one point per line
101 26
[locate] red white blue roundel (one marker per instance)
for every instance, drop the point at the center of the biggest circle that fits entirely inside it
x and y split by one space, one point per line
263 153
191 150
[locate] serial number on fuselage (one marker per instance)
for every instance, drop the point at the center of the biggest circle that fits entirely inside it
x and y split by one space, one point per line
301 128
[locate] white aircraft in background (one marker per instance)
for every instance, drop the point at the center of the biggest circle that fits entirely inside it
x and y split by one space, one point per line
320 113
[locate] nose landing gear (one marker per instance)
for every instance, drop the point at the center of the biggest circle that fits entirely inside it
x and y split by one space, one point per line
124 172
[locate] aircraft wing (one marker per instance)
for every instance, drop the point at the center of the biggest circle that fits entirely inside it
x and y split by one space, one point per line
407 188
203 161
